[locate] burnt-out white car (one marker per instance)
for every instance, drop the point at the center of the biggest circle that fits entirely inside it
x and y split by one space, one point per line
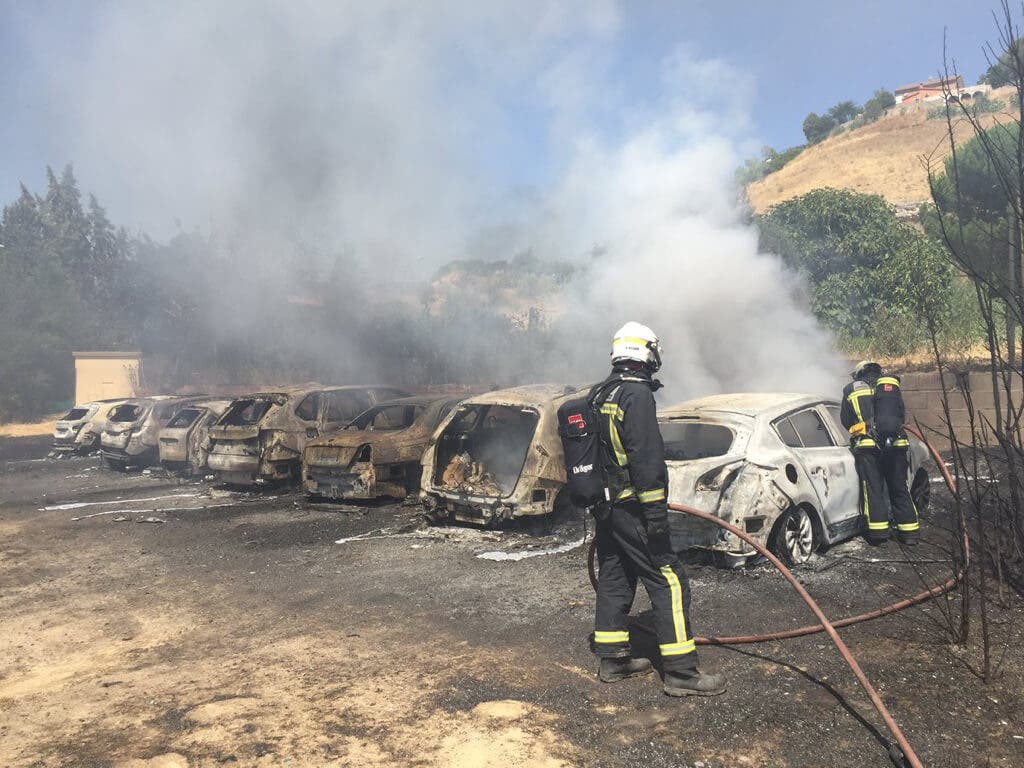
259 439
79 431
778 466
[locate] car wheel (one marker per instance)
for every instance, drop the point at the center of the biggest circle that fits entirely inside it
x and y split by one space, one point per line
794 539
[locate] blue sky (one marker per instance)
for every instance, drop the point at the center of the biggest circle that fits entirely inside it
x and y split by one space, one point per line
800 56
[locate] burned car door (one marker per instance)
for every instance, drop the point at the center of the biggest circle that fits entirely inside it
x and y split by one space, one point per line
828 466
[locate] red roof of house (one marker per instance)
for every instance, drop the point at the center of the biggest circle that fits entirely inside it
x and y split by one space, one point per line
936 82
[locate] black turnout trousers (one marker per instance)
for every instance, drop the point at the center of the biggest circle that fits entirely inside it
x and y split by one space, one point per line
884 492
624 554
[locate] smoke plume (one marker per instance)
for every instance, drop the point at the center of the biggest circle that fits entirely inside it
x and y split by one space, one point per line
383 140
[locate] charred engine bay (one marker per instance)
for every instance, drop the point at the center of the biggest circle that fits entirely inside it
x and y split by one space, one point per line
153 621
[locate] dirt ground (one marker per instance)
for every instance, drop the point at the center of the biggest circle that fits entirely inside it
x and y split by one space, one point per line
239 631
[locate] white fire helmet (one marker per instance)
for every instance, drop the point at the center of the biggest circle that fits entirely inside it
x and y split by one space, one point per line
637 342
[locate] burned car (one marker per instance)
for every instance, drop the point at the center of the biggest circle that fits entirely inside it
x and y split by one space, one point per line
79 431
184 442
777 466
496 457
130 438
378 454
260 438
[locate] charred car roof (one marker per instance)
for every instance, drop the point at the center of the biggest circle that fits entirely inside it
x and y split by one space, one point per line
745 403
530 394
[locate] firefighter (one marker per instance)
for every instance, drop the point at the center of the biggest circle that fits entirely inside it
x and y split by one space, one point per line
632 536
873 412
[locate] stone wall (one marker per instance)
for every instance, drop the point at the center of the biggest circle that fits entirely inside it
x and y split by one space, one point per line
922 393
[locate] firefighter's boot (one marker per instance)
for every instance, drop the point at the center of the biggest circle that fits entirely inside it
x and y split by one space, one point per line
619 669
694 683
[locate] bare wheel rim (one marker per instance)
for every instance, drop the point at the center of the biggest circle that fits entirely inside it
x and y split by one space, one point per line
798 536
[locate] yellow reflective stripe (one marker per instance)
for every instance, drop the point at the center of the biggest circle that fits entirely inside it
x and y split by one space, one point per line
864 491
633 340
678 649
626 493
867 442
647 497
611 409
620 452
914 526
854 398
678 618
901 443
611 637
888 380
878 526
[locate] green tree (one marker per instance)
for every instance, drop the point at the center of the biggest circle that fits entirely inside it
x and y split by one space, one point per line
1006 70
817 127
843 111
867 272
875 107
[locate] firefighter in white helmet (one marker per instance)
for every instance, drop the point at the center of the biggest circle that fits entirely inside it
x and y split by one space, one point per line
633 539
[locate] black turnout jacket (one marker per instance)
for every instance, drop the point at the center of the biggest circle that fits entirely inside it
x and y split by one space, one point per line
633 449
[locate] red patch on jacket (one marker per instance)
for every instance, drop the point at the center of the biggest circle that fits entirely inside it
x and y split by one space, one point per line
578 420
888 387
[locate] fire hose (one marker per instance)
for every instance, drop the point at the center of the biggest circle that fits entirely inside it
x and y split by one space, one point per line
824 624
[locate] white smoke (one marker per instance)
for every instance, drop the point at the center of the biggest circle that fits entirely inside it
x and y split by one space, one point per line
391 131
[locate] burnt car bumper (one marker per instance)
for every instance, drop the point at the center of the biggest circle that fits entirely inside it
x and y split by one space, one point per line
487 510
356 482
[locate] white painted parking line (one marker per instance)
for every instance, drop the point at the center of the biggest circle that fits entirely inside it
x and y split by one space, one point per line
80 504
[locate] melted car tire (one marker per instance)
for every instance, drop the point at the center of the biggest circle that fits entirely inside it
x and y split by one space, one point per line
793 517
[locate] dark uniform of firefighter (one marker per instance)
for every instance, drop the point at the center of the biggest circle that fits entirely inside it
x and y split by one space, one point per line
874 413
632 530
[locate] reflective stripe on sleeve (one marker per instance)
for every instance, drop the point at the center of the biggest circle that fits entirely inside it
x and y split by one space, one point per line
901 443
620 452
627 493
658 494
612 409
854 398
611 637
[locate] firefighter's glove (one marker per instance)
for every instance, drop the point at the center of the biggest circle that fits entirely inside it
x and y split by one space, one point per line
601 511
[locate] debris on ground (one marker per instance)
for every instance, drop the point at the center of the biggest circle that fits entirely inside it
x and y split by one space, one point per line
467 476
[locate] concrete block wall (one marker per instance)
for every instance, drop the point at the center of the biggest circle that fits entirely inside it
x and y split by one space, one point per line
922 393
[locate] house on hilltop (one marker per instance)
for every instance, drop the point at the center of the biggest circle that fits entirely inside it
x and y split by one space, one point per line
929 89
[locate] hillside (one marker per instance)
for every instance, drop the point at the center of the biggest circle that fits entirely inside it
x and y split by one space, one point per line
885 158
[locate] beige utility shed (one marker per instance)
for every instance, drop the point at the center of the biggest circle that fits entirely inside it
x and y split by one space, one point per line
106 375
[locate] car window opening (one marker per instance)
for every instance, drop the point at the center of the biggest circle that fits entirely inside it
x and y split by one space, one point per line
483 449
185 418
75 414
246 413
689 440
126 412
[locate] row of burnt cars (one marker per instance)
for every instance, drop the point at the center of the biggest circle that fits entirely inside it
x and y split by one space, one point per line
775 464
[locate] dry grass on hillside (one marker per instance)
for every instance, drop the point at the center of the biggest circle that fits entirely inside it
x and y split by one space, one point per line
28 430
884 158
